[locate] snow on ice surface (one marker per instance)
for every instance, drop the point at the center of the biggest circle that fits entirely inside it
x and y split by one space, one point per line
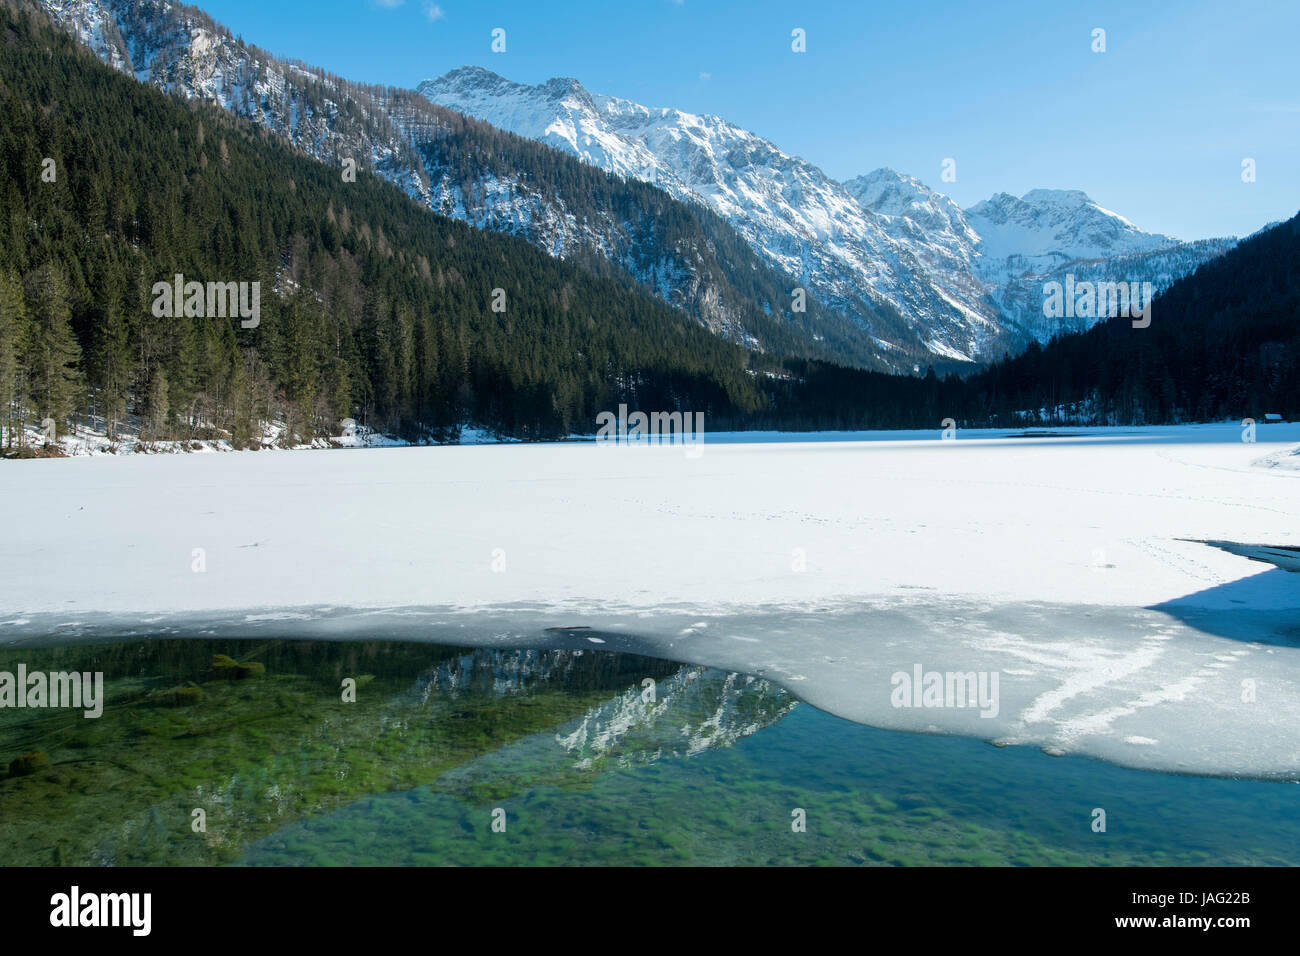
1063 565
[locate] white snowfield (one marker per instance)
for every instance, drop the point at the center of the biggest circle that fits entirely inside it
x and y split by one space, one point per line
1066 572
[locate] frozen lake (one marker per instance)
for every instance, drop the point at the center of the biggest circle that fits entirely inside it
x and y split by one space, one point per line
1070 568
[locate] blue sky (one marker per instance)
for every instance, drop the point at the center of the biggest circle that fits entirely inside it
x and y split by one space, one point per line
1155 128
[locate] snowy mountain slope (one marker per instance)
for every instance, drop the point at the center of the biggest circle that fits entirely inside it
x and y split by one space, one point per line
1018 284
1007 248
1048 234
792 213
935 229
686 256
913 211
180 50
1048 223
959 279
898 276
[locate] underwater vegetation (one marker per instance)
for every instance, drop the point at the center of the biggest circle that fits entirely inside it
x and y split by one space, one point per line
257 736
213 752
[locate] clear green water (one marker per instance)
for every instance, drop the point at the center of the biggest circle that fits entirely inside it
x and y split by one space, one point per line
573 750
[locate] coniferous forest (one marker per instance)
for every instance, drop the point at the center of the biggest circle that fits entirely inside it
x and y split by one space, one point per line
370 306
377 309
1223 343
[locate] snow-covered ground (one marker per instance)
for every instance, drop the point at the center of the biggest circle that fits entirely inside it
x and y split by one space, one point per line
1070 567
92 439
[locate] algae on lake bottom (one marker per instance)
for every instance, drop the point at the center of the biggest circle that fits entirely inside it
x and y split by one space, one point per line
593 757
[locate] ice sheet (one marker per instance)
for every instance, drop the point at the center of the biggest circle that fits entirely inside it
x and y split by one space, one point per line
1071 568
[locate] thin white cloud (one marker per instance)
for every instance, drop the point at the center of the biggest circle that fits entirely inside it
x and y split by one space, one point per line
434 12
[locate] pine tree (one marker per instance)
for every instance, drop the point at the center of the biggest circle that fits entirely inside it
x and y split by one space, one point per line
52 352
156 408
13 338
111 360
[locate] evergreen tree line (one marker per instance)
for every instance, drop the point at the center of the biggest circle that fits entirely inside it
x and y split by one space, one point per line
1223 343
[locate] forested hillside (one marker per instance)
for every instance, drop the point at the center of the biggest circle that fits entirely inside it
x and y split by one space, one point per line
370 305
1223 342
675 249
624 229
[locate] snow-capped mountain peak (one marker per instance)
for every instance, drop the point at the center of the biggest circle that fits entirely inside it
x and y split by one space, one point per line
1057 222
794 215
877 244
914 211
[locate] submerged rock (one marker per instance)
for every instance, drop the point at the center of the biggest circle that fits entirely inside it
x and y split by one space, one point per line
185 696
227 668
29 763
